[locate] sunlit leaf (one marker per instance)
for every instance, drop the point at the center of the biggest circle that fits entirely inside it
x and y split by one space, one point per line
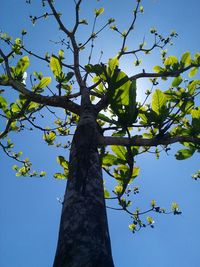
55 66
120 151
112 64
170 61
193 72
63 162
177 81
106 193
158 101
109 160
193 86
98 11
132 227
157 69
186 59
45 81
3 103
59 176
136 171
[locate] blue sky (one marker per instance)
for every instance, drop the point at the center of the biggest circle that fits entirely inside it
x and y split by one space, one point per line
30 212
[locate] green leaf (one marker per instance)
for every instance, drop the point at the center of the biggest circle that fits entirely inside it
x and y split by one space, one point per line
141 9
59 176
158 101
63 162
118 189
174 206
150 220
106 119
193 72
98 11
157 69
184 153
3 103
61 54
196 120
120 151
49 137
42 173
132 227
186 59
192 86
153 203
97 69
69 75
45 81
197 58
122 97
177 81
120 133
131 109
15 108
109 160
65 165
170 61
23 63
106 193
113 63
32 106
196 113
136 171
21 67
55 66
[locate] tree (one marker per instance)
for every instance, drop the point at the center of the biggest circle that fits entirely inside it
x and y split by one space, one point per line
171 116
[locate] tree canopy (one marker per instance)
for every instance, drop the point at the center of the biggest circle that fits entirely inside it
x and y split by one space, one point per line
76 74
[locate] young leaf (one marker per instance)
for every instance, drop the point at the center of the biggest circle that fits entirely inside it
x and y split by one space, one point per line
45 81
186 59
177 81
106 119
112 64
106 193
70 74
158 101
184 153
196 120
157 69
49 137
3 103
59 176
170 61
150 220
63 162
109 160
55 66
132 227
23 64
193 72
120 151
98 11
136 171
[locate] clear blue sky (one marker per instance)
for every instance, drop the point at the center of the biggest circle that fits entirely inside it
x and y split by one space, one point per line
29 210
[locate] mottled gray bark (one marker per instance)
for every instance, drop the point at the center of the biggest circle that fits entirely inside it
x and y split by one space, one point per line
83 237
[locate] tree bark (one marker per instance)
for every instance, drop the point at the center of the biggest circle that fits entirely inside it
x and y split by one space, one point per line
83 236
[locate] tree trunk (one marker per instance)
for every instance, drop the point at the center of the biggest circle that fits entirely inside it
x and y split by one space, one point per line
83 236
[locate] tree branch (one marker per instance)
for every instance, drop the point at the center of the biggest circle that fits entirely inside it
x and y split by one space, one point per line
57 17
139 141
54 101
162 74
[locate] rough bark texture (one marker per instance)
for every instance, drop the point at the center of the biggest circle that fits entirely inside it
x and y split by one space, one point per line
83 237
